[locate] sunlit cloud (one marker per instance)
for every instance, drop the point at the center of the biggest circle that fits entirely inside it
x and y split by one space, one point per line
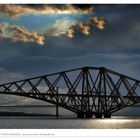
84 27
59 28
70 32
98 22
14 10
19 33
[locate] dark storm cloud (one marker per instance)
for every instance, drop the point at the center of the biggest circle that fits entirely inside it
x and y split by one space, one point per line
117 47
31 66
62 6
84 6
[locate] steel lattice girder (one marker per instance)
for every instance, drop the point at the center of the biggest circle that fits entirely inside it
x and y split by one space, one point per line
86 89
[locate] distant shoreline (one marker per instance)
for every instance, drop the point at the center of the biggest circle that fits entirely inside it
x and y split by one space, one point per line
23 114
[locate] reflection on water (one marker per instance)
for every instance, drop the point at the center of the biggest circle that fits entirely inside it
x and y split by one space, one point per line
117 123
113 121
68 121
45 122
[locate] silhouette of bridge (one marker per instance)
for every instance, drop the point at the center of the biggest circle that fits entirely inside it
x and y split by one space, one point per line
87 91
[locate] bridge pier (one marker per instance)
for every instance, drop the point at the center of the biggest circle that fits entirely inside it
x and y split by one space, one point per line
88 115
98 115
80 115
107 115
57 106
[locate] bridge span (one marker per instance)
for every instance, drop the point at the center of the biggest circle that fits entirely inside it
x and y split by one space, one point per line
88 91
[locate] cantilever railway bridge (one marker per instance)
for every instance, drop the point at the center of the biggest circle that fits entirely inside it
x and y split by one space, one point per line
87 91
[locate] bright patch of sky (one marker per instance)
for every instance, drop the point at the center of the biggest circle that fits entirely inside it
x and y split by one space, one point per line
35 22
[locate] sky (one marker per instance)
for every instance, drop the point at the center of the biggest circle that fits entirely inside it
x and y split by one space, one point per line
40 39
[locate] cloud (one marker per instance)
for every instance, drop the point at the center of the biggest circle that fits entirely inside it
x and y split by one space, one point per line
19 33
70 32
7 76
84 27
98 22
64 27
60 27
14 10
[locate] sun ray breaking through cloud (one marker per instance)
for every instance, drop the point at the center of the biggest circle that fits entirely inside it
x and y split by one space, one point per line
61 27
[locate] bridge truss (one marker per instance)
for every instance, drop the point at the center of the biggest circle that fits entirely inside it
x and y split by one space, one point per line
87 91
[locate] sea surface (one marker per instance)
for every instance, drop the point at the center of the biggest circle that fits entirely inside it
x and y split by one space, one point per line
68 123
66 120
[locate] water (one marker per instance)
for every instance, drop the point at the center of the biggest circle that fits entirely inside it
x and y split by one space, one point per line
67 123
67 120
